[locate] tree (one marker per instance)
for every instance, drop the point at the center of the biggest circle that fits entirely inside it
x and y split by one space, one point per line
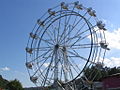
14 85
113 70
3 82
96 72
92 73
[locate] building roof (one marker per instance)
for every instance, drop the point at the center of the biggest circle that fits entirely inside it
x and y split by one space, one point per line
113 75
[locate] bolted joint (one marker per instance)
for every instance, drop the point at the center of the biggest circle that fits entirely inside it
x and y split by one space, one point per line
41 23
34 36
51 12
29 50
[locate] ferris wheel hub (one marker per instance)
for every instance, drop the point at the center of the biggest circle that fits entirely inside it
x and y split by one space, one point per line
56 46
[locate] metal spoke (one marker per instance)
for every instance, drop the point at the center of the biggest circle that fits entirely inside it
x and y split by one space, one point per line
72 61
47 72
59 27
61 62
74 25
42 64
64 31
50 36
54 33
79 38
74 67
77 55
78 35
41 55
42 49
46 41
75 64
81 27
79 46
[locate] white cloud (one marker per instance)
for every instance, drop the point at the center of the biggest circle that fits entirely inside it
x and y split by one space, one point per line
113 38
112 62
5 69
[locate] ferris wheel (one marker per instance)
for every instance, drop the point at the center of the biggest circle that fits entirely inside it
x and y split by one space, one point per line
64 41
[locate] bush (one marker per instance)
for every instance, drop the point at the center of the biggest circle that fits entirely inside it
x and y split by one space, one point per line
14 85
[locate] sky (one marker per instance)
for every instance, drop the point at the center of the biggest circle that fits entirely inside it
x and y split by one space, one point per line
17 18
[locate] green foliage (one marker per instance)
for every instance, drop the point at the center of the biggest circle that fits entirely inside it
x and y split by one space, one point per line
3 82
96 72
14 85
113 70
93 73
10 85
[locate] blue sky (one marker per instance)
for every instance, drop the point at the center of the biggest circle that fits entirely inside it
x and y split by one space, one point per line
17 18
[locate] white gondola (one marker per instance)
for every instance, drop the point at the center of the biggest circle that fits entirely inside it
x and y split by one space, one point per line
64 6
34 79
91 12
104 45
89 9
29 50
101 25
39 22
29 65
34 36
78 6
51 12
